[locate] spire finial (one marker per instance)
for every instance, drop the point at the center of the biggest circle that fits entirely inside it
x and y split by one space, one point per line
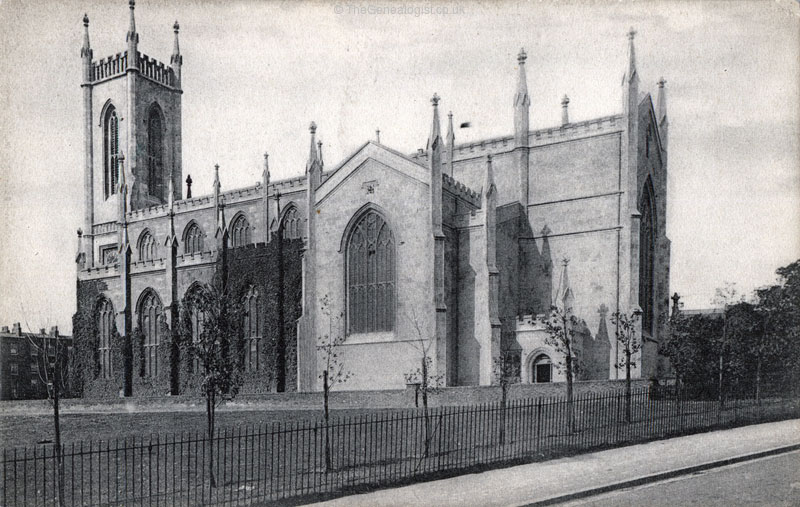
176 27
378 136
631 56
435 138
313 154
133 37
522 56
662 82
188 186
86 51
565 261
319 150
564 110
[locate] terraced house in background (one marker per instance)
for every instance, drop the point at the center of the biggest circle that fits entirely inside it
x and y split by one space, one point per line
461 246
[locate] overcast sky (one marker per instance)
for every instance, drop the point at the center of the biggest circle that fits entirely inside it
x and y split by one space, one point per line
256 73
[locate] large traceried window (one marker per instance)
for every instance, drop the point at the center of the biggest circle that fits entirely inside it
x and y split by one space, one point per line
155 153
291 223
647 235
240 232
149 314
110 152
252 329
193 239
147 247
105 329
371 276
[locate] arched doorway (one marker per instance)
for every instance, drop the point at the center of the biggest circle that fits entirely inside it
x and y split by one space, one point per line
541 369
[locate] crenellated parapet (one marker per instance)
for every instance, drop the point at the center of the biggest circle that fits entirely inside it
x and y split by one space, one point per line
117 65
145 266
460 190
156 70
106 68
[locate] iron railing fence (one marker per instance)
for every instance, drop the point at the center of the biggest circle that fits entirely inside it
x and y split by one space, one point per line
291 461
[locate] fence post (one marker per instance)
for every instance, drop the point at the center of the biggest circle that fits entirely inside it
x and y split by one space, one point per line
616 422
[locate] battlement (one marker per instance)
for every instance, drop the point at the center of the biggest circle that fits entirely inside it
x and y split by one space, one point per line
190 259
529 322
109 67
117 65
106 271
147 265
155 70
458 189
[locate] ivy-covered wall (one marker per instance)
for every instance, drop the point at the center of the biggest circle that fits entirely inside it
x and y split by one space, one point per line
84 372
257 266
254 266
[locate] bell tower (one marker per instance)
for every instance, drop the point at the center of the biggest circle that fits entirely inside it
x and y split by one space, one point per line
132 108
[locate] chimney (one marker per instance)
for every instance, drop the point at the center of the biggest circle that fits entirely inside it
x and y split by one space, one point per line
420 152
16 329
564 111
42 331
54 331
5 329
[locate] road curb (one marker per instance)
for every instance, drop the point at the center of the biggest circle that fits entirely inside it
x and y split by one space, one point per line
661 476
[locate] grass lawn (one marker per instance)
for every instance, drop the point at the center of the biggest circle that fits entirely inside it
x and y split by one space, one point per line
28 430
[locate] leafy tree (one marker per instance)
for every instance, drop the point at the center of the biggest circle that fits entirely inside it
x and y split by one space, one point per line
629 339
561 328
214 351
334 372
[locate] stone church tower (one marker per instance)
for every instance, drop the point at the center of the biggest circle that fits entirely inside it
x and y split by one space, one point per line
138 102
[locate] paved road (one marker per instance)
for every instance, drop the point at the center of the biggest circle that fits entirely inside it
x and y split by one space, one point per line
774 480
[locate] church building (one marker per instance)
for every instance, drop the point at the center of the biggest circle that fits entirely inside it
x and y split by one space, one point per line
454 252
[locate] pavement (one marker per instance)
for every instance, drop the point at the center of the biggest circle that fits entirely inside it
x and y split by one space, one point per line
568 479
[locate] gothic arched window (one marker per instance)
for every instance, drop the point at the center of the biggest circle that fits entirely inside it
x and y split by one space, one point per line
149 314
147 247
252 329
370 276
647 235
155 153
105 329
110 152
193 239
240 232
290 223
